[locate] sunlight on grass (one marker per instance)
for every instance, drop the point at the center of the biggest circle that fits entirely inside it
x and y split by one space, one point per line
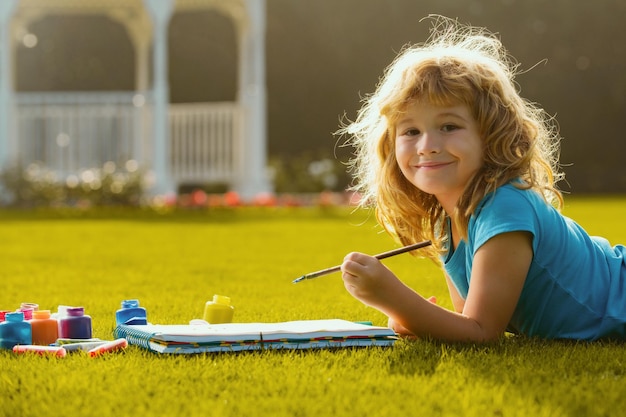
175 263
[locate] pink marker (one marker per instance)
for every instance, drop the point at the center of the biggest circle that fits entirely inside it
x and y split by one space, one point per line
57 351
113 346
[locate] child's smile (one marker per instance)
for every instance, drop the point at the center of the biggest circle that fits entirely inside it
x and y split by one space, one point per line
438 150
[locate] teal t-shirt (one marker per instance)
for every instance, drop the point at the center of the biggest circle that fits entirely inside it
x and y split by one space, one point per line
576 284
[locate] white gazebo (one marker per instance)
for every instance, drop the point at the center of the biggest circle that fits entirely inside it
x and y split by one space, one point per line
69 132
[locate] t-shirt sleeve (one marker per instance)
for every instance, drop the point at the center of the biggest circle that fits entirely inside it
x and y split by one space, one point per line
507 210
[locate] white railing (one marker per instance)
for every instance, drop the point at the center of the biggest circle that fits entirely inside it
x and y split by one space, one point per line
70 132
204 142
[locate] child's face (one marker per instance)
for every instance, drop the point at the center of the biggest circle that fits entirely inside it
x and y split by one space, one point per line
438 150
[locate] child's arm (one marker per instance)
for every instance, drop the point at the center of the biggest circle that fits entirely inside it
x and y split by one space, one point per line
499 271
457 301
400 329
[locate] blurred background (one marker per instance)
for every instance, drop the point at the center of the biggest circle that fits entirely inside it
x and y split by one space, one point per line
322 56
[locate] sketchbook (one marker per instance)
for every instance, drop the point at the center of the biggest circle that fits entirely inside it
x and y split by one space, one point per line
233 337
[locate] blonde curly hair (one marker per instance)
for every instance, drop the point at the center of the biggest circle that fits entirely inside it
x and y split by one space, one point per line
457 65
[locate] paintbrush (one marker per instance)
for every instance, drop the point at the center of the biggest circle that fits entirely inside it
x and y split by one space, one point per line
379 256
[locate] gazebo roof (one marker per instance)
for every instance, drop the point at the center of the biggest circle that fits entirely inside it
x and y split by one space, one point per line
234 8
131 13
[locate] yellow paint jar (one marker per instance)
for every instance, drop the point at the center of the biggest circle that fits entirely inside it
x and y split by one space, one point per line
219 310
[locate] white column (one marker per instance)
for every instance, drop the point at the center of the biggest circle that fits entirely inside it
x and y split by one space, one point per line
253 102
7 128
161 11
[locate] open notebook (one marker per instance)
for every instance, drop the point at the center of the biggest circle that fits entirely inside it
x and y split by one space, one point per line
232 337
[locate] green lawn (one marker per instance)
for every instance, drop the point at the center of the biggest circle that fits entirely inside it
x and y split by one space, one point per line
173 263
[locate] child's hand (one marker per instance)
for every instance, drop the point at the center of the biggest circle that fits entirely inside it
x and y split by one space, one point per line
368 280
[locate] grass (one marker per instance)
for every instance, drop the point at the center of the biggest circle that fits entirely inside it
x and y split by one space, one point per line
173 263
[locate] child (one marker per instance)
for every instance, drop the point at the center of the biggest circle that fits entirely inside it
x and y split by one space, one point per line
448 151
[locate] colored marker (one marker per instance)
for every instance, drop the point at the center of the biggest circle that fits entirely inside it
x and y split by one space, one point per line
84 346
57 351
65 341
113 346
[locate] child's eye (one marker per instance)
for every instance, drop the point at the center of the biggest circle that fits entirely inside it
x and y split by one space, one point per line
449 127
411 132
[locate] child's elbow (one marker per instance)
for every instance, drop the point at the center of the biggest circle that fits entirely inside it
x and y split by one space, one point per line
481 333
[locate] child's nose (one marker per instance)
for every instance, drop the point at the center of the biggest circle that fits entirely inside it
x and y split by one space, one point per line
428 143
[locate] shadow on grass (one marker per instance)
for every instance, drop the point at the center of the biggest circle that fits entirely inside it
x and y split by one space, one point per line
419 357
567 377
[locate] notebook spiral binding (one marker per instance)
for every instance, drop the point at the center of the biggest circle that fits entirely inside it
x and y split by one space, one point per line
133 336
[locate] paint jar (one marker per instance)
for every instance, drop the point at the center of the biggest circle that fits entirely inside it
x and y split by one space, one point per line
15 331
61 312
27 309
219 310
131 313
2 314
28 312
75 325
45 329
32 306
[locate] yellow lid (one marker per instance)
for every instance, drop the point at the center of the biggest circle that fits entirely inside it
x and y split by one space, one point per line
221 299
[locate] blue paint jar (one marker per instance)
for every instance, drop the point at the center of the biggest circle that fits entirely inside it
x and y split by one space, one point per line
131 313
15 331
